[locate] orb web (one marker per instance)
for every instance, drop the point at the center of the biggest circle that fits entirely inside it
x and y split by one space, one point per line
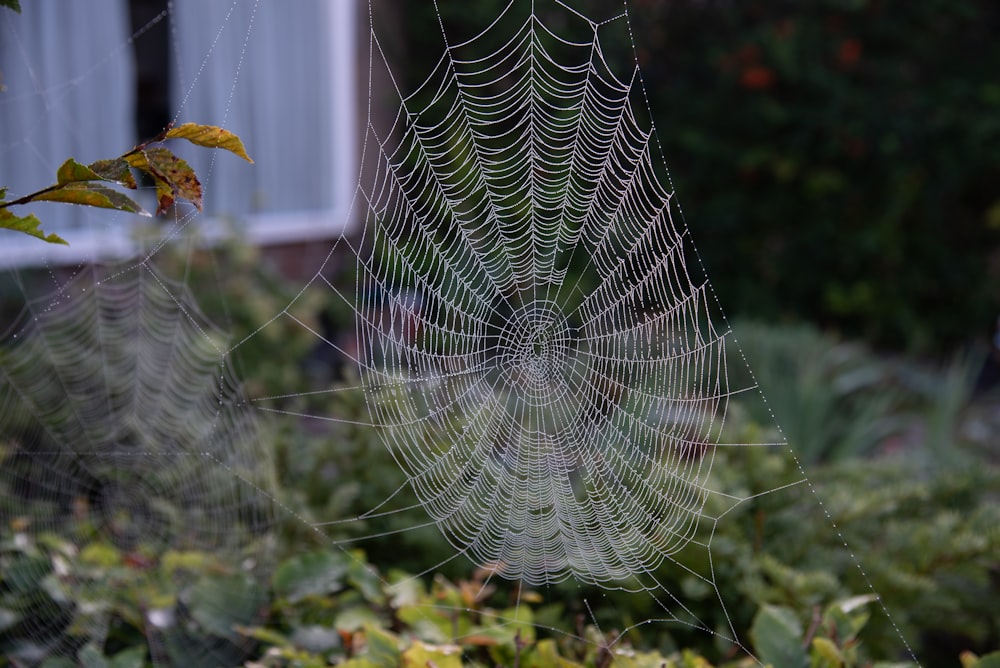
534 342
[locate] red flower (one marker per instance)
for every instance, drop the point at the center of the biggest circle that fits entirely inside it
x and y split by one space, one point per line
757 77
849 52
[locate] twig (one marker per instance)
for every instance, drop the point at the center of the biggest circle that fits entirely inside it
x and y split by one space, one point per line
813 626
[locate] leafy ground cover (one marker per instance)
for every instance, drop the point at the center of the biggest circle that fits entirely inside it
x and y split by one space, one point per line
900 454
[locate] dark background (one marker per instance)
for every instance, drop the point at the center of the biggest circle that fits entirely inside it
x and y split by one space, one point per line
836 160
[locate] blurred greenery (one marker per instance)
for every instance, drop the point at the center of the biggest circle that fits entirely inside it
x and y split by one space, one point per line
901 509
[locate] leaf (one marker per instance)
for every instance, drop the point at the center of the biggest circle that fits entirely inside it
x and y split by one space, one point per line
164 190
310 574
265 635
187 560
421 655
991 660
546 654
25 575
134 657
629 658
172 175
100 555
316 639
72 171
848 617
848 605
383 646
11 4
57 661
211 136
30 225
90 656
91 194
362 576
222 604
116 169
825 654
365 662
8 618
354 618
777 637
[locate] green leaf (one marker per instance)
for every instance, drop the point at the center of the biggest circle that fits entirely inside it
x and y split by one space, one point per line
222 604
8 618
546 655
101 555
57 661
628 658
825 654
777 637
30 225
365 579
310 574
11 4
991 660
134 657
72 171
117 170
211 136
25 575
187 560
317 639
420 655
383 647
90 656
849 616
91 194
354 618
264 635
365 662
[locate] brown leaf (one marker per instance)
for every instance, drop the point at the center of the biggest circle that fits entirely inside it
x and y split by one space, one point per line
116 170
211 136
173 176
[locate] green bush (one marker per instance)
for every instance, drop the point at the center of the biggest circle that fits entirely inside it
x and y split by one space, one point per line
921 521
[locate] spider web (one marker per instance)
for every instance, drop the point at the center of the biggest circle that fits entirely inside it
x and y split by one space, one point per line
548 428
536 342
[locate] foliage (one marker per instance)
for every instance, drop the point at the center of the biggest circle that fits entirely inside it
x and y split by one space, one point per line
330 606
835 399
922 522
85 184
321 607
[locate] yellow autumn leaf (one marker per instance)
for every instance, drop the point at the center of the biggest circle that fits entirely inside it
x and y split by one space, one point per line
209 135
